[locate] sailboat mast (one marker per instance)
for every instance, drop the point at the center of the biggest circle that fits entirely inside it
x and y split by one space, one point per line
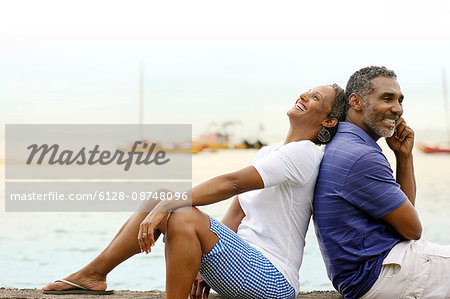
445 94
141 98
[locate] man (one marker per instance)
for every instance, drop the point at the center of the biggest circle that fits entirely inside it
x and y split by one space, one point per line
365 219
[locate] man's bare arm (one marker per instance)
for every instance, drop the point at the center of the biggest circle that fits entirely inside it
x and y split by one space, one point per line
402 143
405 219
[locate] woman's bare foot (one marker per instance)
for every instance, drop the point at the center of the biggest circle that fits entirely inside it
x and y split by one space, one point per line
83 278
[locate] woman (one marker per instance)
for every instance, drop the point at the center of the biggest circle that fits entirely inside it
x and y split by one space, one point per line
263 258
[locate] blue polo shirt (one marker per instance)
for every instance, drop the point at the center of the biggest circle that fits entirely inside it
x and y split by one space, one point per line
355 188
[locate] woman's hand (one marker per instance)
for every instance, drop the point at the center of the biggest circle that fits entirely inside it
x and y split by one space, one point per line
199 288
146 235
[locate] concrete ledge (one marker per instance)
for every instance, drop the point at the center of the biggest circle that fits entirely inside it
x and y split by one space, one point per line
35 293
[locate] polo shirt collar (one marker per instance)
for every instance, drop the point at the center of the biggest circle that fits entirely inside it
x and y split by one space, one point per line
346 127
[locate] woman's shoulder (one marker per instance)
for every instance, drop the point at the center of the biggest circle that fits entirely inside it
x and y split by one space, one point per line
295 151
266 150
304 147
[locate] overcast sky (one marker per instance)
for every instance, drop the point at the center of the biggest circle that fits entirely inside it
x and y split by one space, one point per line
204 61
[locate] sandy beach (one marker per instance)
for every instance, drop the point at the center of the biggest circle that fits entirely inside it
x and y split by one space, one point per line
35 293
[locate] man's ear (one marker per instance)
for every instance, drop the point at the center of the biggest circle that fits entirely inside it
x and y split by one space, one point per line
355 102
329 123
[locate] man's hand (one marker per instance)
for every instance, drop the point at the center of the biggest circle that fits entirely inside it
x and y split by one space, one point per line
402 141
199 290
146 235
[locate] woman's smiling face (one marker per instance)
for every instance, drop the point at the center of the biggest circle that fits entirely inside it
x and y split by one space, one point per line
314 105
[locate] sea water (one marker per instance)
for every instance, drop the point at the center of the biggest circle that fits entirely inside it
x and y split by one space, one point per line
37 248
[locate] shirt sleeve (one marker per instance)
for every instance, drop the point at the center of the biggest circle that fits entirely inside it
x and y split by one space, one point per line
370 185
294 162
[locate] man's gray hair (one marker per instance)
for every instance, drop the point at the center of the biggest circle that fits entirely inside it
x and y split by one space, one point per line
360 82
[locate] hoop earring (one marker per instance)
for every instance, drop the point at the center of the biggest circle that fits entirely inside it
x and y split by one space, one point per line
324 136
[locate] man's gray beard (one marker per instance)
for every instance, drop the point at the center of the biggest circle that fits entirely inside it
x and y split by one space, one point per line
372 121
390 133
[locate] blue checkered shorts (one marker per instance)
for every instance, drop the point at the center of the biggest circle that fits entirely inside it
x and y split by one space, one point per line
234 269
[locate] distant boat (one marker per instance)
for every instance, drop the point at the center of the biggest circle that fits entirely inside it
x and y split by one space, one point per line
440 149
434 150
221 136
144 146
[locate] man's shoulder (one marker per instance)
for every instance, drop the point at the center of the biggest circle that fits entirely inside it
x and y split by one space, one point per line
349 149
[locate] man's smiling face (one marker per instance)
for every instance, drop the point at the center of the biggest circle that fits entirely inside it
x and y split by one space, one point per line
382 108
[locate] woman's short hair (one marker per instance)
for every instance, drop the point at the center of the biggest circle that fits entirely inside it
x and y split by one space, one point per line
338 109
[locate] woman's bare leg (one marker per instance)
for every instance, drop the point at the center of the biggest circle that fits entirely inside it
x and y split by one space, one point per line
123 246
188 236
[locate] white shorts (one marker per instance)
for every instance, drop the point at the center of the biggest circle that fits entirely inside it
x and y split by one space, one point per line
414 269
